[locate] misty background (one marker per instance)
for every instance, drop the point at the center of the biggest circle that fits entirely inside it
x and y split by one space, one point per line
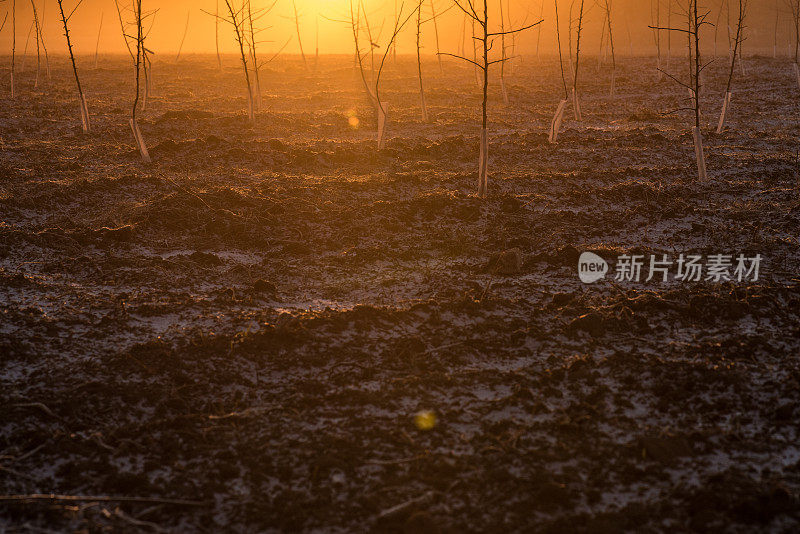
323 25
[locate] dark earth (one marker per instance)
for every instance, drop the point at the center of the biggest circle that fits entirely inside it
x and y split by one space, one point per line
249 324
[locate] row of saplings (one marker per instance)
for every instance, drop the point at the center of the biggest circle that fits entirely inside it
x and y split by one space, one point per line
241 17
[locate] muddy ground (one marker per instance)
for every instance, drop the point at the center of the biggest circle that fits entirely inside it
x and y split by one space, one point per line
252 321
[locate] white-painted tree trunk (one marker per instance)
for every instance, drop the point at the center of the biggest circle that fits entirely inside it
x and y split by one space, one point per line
424 105
699 153
146 97
137 135
555 125
382 109
85 124
726 102
576 104
503 88
251 111
797 74
483 165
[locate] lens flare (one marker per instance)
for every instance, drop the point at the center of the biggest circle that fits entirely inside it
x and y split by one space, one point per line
425 420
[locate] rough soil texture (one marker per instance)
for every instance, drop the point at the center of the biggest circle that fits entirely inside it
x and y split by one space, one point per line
253 320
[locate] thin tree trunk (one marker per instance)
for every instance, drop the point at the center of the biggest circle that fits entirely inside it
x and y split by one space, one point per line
97 45
84 109
13 44
216 35
299 38
555 125
575 97
140 51
483 163
419 67
183 39
436 33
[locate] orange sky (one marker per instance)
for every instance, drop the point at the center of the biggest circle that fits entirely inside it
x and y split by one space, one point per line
334 37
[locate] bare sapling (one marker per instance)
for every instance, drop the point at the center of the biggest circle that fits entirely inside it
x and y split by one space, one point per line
569 40
655 17
40 34
299 38
630 38
25 50
253 51
737 42
436 34
696 20
183 38
485 40
419 64
236 18
13 44
85 125
216 35
601 58
539 32
147 65
608 4
720 10
38 49
669 34
355 25
372 41
794 6
775 31
503 55
97 44
576 102
383 108
139 56
474 42
555 125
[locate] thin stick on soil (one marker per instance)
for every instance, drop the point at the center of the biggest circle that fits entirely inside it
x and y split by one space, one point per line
84 109
52 497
